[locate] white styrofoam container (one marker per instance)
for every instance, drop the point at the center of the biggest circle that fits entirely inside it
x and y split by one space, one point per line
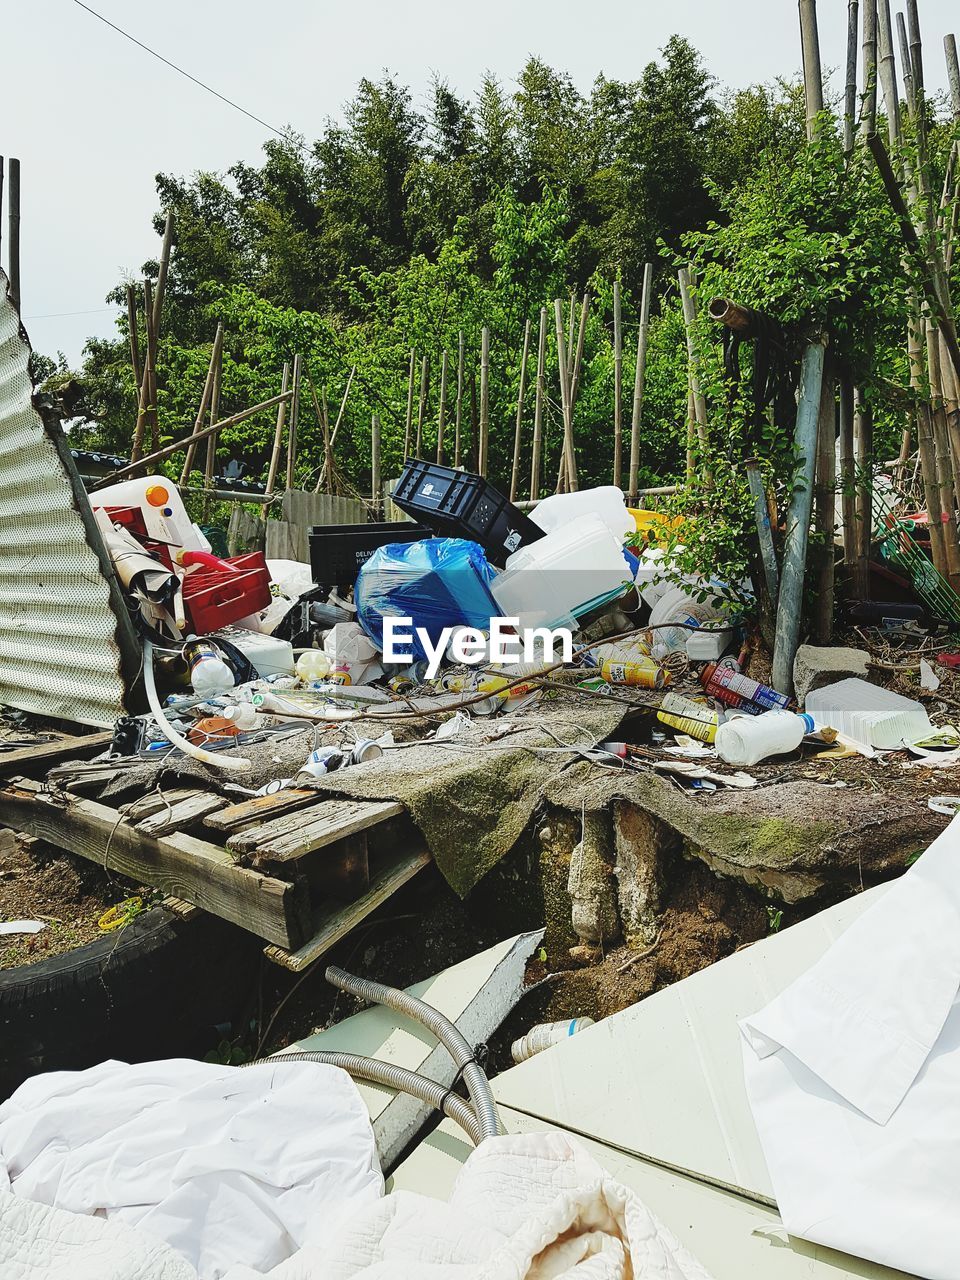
867 715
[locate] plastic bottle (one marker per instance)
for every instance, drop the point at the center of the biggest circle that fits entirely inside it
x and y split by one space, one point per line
243 715
544 1035
735 690
746 740
209 673
313 665
689 717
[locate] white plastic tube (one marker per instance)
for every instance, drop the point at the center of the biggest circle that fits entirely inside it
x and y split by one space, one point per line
188 748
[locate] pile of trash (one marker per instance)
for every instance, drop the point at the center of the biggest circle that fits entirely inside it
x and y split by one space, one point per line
460 614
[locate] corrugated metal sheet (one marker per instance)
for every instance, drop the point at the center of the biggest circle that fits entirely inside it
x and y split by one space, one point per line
64 641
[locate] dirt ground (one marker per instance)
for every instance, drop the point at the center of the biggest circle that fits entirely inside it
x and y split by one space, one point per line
68 894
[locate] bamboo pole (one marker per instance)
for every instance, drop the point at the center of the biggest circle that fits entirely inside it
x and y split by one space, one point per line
850 85
278 433
826 513
953 73
945 474
812 73
136 448
578 357
442 412
690 323
639 379
458 415
205 403
323 421
376 483
863 452
573 312
326 475
484 442
212 438
848 480
617 388
194 437
868 123
294 421
474 423
789 606
134 336
570 464
422 407
907 62
541 396
888 73
13 232
515 471
691 435
410 384
164 267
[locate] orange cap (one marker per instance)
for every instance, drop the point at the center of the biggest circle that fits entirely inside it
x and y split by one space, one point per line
157 495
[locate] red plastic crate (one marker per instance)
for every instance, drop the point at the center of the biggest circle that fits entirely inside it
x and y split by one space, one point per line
214 598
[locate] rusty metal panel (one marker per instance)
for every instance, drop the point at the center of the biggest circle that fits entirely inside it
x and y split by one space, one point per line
67 648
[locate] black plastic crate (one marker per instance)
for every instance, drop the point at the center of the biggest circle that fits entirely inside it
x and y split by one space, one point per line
458 504
338 550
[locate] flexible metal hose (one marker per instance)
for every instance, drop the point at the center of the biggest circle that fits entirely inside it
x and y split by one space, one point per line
399 1078
484 1107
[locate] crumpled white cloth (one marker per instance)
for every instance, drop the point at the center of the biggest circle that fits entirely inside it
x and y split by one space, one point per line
853 1075
40 1243
223 1164
525 1207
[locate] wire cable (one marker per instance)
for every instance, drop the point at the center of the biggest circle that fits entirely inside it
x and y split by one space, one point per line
186 74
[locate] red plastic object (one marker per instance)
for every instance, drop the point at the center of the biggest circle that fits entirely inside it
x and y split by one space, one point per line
215 597
132 520
951 660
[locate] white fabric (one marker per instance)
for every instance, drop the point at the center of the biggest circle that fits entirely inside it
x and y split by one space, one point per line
40 1243
224 1164
853 1075
525 1207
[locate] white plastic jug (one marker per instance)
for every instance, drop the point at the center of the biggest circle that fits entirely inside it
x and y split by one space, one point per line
159 501
746 740
680 604
606 501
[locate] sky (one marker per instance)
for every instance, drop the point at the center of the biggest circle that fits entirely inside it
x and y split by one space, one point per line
93 118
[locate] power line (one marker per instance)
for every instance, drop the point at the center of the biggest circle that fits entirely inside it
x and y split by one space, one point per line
58 315
173 66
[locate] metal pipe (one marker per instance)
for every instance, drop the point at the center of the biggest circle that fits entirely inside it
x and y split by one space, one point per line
761 515
446 1032
393 1077
787 633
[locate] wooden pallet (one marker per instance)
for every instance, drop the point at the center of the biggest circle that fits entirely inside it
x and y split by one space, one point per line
299 869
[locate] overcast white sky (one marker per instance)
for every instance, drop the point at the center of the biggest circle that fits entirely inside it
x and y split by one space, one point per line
93 118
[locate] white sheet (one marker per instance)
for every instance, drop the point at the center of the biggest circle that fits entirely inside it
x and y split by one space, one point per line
224 1164
853 1075
525 1207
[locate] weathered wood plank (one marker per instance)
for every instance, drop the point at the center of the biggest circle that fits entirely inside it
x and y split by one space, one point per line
49 753
296 834
186 810
144 806
179 865
332 924
261 808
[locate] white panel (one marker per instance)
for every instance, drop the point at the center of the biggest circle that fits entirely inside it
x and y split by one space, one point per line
59 647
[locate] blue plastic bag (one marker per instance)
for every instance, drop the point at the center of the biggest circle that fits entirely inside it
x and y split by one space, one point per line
437 583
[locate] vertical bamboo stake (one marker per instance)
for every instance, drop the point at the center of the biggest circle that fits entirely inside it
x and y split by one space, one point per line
812 74
863 450
617 388
848 481
422 408
691 434
326 475
868 124
573 312
953 73
212 439
538 408
136 449
945 474
639 380
474 424
850 86
161 285
578 357
134 337
690 323
888 74
205 404
908 85
410 382
294 422
570 464
459 409
278 434
442 415
826 513
515 472
376 483
13 232
484 400
322 416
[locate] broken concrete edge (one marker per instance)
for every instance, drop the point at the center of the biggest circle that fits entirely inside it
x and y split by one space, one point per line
815 668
